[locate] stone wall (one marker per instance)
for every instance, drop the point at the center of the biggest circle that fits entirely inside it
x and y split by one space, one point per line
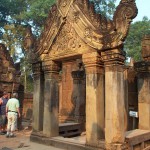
27 106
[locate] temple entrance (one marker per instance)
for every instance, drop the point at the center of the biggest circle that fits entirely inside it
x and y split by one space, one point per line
71 99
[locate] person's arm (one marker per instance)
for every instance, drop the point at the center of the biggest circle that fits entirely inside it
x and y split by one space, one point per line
6 109
1 101
18 110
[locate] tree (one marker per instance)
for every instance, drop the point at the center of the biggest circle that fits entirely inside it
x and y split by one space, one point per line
104 7
15 16
136 33
26 74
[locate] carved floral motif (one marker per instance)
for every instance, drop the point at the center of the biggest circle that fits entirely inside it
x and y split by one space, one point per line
67 42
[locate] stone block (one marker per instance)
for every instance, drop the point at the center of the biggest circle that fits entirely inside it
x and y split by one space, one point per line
144 116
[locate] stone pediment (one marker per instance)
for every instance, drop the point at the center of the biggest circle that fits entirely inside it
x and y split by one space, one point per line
67 44
93 29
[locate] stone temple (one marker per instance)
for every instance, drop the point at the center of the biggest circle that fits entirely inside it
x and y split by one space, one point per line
81 84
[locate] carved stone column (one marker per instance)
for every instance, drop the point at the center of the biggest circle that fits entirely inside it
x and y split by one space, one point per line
143 71
114 96
94 98
38 97
78 96
51 97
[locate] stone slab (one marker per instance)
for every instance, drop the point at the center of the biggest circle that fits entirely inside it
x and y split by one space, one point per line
76 143
137 136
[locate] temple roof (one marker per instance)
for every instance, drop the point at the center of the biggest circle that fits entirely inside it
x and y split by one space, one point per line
94 29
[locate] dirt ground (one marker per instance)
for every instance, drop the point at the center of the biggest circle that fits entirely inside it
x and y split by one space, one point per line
22 142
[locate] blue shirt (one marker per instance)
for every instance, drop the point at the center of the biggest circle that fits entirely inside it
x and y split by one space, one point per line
3 106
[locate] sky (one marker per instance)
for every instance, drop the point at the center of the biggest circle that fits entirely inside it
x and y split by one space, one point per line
143 9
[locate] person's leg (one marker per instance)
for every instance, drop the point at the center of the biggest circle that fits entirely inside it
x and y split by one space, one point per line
13 126
4 123
1 125
9 117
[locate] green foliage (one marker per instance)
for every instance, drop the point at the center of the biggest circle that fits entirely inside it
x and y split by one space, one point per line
15 15
13 39
26 72
36 12
105 7
134 38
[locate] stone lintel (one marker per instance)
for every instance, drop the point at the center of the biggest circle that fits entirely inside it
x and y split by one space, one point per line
93 63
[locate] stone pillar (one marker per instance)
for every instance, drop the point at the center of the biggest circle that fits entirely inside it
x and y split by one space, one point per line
94 98
143 71
114 96
51 98
78 96
38 99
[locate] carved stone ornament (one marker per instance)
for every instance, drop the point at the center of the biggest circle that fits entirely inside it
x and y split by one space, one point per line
68 43
93 63
142 66
93 29
146 48
64 6
113 57
50 66
9 73
37 67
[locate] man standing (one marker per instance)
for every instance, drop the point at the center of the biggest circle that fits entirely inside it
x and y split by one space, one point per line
3 118
12 108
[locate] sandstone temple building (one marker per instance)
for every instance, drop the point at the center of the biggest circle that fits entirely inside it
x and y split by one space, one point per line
9 72
81 81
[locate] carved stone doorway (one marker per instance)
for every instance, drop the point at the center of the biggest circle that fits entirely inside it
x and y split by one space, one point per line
72 94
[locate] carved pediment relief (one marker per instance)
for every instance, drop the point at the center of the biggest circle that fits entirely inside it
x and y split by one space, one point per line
63 6
96 30
67 43
93 29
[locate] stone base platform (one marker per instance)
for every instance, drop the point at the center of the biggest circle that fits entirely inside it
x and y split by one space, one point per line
70 129
135 140
75 143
